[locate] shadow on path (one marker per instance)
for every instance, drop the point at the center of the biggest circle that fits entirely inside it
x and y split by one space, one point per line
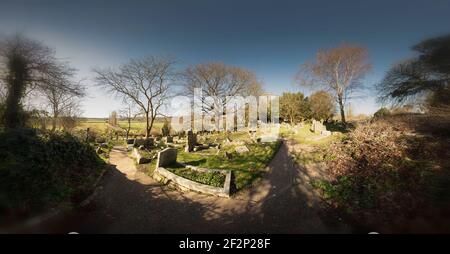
128 201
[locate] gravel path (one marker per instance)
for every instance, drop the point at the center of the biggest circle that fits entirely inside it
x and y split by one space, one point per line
129 201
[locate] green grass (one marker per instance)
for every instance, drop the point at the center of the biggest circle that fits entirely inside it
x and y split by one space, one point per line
305 136
313 145
246 167
137 127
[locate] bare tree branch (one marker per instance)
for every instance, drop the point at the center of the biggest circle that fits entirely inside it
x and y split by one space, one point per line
145 82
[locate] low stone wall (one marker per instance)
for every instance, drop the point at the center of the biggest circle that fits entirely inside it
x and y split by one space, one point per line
163 174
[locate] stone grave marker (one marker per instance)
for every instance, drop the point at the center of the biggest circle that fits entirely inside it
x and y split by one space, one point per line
191 141
169 139
241 149
166 157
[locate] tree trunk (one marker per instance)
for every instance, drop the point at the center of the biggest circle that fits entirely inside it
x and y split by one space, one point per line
54 120
16 89
341 107
128 129
147 124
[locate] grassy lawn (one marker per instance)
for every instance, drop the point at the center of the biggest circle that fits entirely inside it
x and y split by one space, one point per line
305 136
247 167
137 127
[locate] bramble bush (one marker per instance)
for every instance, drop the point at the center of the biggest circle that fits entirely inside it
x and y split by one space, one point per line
375 176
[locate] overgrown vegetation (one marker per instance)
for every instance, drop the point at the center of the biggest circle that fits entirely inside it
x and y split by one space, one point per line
384 171
41 170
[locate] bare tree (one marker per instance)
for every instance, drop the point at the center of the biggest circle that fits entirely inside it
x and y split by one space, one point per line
219 81
129 114
338 70
112 120
70 116
27 64
145 81
62 102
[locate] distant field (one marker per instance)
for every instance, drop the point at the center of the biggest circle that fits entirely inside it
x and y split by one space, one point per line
137 126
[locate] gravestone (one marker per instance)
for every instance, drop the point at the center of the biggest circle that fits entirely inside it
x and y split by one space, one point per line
139 158
228 155
191 141
149 142
169 139
267 138
138 142
317 127
325 133
241 149
166 157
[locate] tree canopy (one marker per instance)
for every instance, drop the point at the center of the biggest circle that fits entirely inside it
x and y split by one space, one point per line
428 72
294 107
338 70
322 105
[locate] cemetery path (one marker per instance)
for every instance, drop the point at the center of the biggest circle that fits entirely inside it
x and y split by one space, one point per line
129 201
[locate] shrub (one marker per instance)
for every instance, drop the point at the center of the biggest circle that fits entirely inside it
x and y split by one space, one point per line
382 112
165 130
38 171
374 175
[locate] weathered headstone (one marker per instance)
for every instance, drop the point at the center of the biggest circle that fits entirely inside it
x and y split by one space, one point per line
138 142
241 149
139 158
149 142
317 127
169 139
267 138
191 141
325 133
166 157
228 155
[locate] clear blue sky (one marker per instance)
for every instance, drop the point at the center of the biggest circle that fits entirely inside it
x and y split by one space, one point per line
271 38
